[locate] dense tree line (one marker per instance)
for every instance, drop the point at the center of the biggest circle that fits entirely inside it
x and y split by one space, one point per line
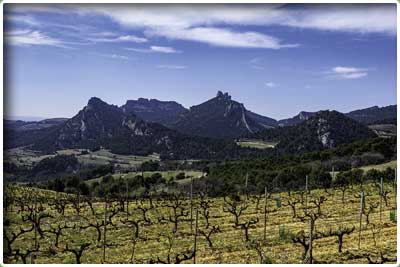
59 166
226 181
326 129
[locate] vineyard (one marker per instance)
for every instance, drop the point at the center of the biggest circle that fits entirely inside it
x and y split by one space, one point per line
352 224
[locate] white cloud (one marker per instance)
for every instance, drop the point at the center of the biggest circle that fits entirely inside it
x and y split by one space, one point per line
164 49
336 17
367 18
221 37
140 50
270 84
29 37
214 24
155 49
123 38
192 23
25 19
112 56
342 72
172 67
256 63
105 34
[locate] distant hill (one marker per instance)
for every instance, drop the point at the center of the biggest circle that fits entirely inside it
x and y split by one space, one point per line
371 115
221 117
299 118
19 125
325 129
153 110
374 114
384 130
100 125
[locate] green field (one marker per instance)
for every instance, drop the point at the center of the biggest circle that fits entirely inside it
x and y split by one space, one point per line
256 144
380 167
27 158
157 241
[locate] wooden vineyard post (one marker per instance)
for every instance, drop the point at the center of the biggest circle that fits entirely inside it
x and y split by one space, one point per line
195 237
265 213
361 213
105 229
127 200
79 204
35 217
191 205
395 193
79 211
245 185
306 191
310 247
35 224
380 200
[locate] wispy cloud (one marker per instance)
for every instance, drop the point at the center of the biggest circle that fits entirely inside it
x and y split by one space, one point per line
204 23
123 38
333 17
347 73
221 37
24 19
216 24
112 56
30 37
155 49
164 49
345 18
172 67
270 84
256 63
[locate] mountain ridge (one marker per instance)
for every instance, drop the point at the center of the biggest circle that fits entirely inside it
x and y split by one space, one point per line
100 125
325 129
153 110
221 117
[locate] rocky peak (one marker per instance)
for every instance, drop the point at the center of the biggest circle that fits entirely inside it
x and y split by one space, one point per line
223 96
95 101
304 115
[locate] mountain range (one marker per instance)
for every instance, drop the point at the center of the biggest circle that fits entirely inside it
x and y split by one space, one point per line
206 130
371 115
100 125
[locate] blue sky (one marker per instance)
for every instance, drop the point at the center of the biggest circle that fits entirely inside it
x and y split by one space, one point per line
276 59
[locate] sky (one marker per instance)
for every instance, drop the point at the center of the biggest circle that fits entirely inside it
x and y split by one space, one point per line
276 59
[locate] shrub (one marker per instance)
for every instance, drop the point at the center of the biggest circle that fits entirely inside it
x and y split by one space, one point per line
284 234
392 216
278 202
180 176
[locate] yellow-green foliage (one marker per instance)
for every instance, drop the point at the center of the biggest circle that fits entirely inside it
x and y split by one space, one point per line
257 144
380 167
229 245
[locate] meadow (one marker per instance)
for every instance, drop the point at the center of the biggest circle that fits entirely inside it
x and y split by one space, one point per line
27 158
259 144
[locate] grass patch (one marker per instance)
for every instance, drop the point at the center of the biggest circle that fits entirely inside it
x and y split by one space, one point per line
380 167
259 144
